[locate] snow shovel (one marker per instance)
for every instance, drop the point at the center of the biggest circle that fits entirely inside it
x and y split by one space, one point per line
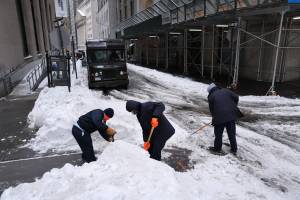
202 127
147 144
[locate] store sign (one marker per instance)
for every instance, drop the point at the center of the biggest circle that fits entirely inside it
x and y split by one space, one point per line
61 9
294 1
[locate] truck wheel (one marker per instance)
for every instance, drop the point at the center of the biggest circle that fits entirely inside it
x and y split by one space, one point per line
125 87
90 87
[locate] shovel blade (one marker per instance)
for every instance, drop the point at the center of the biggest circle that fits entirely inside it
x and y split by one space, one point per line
146 145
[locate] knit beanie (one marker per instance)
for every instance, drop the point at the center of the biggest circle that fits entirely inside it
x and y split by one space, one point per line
109 112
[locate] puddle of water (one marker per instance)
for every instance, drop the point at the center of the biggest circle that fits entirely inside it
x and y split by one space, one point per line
178 159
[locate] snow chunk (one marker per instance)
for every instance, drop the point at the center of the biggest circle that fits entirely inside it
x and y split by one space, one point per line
123 171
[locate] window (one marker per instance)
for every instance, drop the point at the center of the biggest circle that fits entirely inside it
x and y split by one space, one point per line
22 28
106 56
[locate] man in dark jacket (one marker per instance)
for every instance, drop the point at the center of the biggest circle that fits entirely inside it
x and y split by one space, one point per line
92 121
223 108
150 114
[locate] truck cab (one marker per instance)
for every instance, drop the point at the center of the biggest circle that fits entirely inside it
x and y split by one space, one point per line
106 64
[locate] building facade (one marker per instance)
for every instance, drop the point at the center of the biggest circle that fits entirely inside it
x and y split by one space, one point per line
25 27
24 34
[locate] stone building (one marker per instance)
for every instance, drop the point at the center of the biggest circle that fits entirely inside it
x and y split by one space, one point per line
24 34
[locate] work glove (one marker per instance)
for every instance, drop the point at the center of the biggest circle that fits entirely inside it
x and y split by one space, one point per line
154 122
110 132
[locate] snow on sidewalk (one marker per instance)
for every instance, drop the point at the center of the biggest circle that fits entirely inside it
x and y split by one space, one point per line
123 171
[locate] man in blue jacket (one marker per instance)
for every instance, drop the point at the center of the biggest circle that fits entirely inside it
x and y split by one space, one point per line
223 108
92 121
150 114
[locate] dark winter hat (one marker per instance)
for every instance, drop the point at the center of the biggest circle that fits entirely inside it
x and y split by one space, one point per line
210 87
109 112
132 105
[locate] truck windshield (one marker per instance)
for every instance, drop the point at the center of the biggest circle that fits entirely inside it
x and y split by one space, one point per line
105 56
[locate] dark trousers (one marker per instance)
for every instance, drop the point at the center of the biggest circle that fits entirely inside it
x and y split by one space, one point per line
157 143
84 140
230 127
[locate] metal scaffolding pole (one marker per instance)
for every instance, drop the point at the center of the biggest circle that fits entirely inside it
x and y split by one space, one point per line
147 50
212 53
237 55
202 51
258 78
277 51
231 50
221 56
167 50
157 51
283 52
185 67
141 52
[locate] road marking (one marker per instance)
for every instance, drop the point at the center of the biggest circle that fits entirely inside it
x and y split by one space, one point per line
36 158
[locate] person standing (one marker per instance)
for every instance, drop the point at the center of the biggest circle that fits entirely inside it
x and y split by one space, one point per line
150 114
223 106
88 123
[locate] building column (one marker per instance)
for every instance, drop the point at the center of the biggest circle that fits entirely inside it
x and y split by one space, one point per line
45 25
39 26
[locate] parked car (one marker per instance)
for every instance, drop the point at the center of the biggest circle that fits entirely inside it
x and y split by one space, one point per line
106 64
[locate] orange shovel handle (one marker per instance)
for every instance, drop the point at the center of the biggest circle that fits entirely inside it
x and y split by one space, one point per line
202 127
147 144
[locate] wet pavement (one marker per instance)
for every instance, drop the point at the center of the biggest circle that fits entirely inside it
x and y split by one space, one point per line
14 172
14 127
19 164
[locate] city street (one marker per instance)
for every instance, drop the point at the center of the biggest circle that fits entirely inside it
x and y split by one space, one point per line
268 136
149 100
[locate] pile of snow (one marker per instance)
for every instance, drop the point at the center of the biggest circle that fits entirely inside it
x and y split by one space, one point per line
265 169
123 171
56 110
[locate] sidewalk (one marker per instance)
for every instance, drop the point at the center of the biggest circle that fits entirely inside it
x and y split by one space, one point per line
10 80
17 164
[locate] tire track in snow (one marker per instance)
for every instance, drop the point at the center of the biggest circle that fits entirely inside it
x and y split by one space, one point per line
195 106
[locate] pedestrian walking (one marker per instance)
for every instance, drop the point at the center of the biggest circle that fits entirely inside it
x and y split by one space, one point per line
223 106
92 121
150 114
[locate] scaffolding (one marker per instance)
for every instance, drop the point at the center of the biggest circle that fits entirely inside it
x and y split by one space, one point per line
210 38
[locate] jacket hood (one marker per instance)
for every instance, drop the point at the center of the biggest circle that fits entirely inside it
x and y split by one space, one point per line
133 105
213 90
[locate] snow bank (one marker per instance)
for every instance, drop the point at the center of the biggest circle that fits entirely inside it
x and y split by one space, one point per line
123 171
265 167
56 110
